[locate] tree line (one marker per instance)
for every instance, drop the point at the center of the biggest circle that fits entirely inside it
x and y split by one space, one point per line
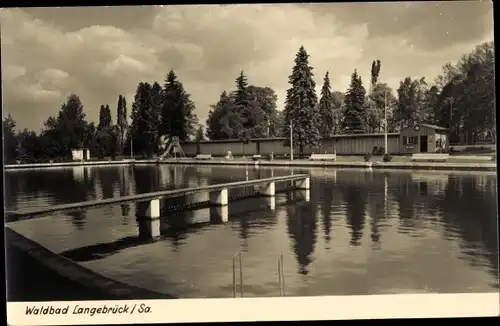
157 111
461 99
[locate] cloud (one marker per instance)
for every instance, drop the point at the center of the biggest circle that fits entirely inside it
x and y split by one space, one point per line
12 72
99 54
124 64
52 74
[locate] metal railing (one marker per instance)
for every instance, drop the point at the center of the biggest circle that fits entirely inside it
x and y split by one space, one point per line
281 276
237 260
237 256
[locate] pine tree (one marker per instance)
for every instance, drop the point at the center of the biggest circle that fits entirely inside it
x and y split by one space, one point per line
217 118
338 99
170 99
188 119
301 104
177 110
326 109
156 96
241 95
355 110
242 103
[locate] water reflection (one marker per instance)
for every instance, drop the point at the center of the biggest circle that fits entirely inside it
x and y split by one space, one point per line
271 202
355 200
78 218
219 214
394 208
149 228
125 186
302 232
177 227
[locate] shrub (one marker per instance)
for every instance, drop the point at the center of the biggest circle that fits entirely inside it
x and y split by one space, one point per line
368 157
387 158
378 150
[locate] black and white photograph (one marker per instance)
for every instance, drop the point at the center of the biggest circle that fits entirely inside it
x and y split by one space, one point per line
247 152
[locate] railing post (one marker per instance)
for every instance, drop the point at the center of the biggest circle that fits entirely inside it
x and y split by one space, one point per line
282 275
234 276
279 277
148 209
241 277
303 183
148 217
268 189
219 197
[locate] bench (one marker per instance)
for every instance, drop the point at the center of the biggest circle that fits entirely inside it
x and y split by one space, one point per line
323 157
203 157
472 157
430 157
257 157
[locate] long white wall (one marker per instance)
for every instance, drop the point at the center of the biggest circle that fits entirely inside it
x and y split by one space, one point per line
344 145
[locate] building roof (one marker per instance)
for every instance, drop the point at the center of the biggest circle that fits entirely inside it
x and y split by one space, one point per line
433 126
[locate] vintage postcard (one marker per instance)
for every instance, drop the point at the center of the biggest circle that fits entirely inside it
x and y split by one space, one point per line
249 162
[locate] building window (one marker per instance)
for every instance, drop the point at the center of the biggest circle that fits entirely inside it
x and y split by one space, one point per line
411 140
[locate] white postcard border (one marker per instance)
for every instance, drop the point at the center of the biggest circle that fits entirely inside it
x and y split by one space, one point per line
259 309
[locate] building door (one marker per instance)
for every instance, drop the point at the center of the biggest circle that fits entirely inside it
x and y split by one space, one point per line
423 144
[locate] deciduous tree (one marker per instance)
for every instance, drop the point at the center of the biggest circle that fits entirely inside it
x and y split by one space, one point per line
121 121
143 121
105 120
9 139
410 103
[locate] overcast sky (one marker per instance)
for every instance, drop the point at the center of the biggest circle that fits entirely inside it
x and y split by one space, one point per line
101 52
